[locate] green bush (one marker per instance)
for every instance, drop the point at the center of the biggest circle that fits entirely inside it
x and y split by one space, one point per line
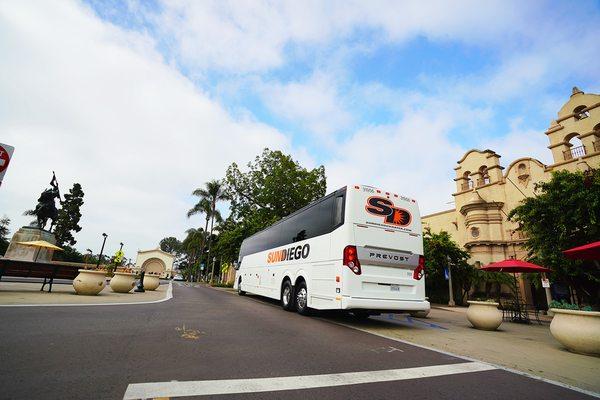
224 285
563 305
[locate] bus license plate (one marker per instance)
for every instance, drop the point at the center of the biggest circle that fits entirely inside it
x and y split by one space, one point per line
395 288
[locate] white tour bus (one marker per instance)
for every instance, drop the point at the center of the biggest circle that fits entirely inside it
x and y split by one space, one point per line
358 249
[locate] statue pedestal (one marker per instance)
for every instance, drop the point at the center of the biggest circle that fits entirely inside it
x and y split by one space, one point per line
17 251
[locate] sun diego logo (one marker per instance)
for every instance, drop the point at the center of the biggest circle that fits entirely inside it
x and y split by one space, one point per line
291 253
385 208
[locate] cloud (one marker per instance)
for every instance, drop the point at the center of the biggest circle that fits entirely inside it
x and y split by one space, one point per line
98 105
313 104
518 142
249 36
413 157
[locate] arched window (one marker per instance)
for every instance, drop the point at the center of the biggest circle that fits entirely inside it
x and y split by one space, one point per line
522 168
484 176
467 182
580 113
576 148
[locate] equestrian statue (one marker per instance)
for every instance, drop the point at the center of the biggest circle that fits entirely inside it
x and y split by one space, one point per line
46 207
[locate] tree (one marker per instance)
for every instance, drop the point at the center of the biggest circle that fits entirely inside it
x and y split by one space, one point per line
69 216
69 254
212 192
191 247
4 242
202 207
440 250
171 245
273 187
564 214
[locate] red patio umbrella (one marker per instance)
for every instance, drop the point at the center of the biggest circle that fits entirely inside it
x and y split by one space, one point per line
590 251
514 266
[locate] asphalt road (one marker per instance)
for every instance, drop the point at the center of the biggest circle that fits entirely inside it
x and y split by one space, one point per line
204 334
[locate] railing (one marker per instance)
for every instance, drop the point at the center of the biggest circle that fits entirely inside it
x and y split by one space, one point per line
484 181
574 152
466 185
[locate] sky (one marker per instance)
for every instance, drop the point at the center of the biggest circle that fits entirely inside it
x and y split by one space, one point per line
141 102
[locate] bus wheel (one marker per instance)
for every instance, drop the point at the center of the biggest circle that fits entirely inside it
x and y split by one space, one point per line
302 298
240 291
360 315
287 296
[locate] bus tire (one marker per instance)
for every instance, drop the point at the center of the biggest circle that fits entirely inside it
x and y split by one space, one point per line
239 289
301 297
287 296
360 315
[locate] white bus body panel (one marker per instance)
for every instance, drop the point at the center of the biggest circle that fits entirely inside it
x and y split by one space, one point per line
388 254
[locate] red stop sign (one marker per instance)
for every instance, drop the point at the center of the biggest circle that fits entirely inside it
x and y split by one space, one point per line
4 159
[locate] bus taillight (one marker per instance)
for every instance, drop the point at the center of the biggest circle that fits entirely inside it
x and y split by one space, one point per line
351 259
420 270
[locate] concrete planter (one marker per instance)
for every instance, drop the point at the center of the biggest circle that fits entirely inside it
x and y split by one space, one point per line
578 331
420 314
89 282
151 282
484 315
122 282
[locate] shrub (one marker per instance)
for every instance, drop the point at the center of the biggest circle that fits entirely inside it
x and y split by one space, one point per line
563 305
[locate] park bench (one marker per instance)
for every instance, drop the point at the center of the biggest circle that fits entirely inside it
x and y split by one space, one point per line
46 270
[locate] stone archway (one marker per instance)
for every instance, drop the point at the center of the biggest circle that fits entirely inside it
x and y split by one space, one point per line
154 265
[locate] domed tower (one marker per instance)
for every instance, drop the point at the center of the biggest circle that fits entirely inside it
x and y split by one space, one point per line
479 200
483 221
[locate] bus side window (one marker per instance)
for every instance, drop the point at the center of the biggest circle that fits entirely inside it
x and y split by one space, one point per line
338 211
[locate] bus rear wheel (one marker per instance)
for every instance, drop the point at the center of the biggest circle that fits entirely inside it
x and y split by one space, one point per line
239 290
302 298
287 296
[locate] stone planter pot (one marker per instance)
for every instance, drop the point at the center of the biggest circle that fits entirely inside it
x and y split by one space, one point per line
419 314
89 282
151 282
484 315
578 331
122 282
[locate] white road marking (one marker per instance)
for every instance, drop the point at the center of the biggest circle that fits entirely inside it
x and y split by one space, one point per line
169 296
236 386
494 366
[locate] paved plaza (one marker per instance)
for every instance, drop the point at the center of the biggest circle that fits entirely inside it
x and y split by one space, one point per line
27 293
208 342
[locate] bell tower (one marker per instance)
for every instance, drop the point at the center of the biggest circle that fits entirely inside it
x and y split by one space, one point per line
575 134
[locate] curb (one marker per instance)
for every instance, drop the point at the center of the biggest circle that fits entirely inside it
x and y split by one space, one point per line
168 297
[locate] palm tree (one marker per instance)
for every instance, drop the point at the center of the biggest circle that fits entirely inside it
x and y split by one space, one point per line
191 244
202 207
213 191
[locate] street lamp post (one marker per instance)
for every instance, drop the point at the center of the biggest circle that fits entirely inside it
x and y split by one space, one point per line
451 302
212 270
101 250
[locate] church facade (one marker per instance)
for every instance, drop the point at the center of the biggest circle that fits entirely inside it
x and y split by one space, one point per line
486 191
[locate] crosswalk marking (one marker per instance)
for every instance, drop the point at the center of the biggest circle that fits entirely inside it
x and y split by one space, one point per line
256 385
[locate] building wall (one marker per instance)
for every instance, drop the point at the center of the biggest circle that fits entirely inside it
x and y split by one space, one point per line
443 220
155 261
486 191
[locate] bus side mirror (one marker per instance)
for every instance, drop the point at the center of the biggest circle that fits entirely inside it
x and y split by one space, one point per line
236 265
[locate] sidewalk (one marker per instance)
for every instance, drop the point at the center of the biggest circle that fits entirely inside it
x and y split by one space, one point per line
21 293
527 348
